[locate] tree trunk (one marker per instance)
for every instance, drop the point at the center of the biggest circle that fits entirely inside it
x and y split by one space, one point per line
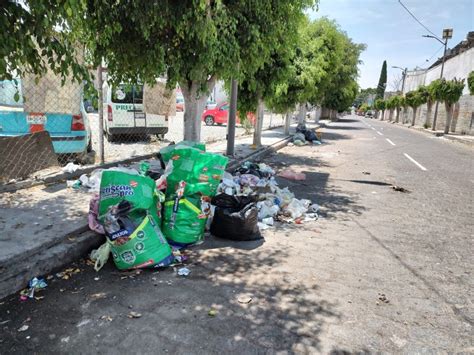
454 121
449 115
414 116
301 113
429 108
257 133
194 104
397 117
383 114
287 123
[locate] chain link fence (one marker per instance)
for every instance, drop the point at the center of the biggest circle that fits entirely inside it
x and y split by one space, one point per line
46 123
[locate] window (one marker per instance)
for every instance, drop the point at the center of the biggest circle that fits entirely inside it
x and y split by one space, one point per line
128 94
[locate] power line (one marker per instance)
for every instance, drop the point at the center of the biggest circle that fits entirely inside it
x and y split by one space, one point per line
428 60
416 19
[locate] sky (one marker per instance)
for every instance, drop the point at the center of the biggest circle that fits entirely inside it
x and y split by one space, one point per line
391 34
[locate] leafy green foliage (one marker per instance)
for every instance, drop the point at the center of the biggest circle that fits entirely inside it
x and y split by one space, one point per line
36 37
413 99
448 91
424 94
380 104
470 82
382 81
363 95
364 107
322 70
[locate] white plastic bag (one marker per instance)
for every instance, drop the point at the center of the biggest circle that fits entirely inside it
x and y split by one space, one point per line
100 256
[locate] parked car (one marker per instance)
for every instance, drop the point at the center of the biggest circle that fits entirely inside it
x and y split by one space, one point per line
123 113
369 114
179 104
69 131
220 115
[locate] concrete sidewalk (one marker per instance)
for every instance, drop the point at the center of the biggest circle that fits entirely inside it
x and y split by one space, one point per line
45 227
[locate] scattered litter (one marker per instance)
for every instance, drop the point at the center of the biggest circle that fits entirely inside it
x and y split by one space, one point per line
35 284
98 296
262 226
292 175
23 328
268 221
67 274
244 299
70 167
107 318
184 271
366 173
96 278
383 298
212 312
314 208
133 314
399 189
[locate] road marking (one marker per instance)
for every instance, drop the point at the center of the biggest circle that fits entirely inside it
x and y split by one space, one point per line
372 128
380 134
415 162
388 140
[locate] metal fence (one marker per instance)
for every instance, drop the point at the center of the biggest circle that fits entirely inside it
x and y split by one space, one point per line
44 124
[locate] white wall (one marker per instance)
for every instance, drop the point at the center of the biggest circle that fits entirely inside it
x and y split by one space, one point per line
457 67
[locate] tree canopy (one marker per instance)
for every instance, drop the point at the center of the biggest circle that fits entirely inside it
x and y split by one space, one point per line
382 81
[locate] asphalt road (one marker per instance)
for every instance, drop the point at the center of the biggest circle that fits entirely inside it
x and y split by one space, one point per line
380 271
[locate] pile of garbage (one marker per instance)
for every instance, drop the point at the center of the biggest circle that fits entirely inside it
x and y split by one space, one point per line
304 135
252 198
147 215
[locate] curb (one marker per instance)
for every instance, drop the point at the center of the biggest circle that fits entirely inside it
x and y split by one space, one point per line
52 256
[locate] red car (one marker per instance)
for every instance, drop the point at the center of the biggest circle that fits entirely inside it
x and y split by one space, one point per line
220 114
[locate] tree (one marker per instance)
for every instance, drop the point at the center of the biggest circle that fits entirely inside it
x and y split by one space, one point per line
363 96
193 43
380 105
31 43
397 102
431 88
449 92
382 81
470 82
259 86
391 104
414 100
364 108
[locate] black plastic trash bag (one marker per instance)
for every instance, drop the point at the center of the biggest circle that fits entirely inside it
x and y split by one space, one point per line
310 135
301 128
235 218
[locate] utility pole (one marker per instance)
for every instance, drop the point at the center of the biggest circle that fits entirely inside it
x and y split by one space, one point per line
232 119
404 75
447 34
101 113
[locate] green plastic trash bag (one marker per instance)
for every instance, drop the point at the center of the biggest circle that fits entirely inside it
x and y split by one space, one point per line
146 247
186 225
201 171
139 191
168 152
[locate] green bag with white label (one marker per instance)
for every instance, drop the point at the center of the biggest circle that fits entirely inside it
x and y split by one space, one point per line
130 212
201 171
185 223
146 247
